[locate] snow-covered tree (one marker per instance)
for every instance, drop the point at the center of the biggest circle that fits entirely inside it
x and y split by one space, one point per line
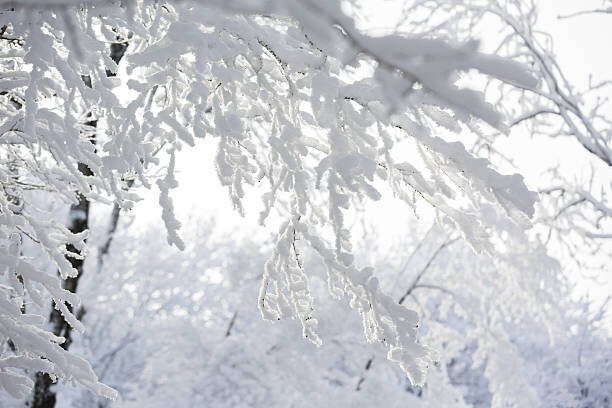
159 338
572 113
309 111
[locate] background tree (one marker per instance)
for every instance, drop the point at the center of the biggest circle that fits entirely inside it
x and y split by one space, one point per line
78 223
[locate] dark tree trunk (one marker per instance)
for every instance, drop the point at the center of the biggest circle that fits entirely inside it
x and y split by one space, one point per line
44 396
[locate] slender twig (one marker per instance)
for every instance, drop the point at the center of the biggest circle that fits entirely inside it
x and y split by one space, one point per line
420 275
230 326
585 12
363 376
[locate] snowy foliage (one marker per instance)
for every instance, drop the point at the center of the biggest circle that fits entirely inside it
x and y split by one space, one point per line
308 110
157 337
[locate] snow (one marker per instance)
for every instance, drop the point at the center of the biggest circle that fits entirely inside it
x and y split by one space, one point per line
307 119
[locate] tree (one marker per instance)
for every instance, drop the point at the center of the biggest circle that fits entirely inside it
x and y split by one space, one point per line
309 111
158 338
575 210
79 223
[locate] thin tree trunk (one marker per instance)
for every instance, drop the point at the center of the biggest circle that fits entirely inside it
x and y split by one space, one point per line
112 227
44 396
